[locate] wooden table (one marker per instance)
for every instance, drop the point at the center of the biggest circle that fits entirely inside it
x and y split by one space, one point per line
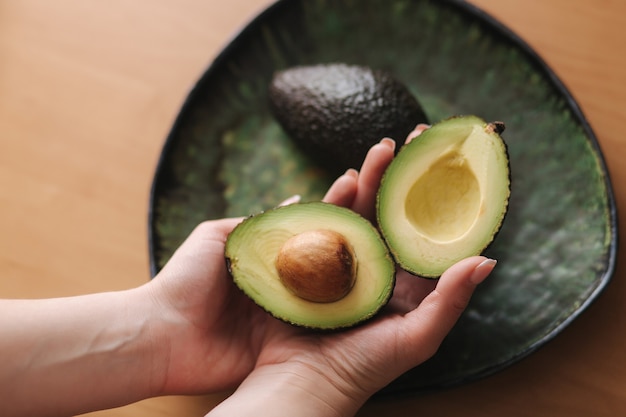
89 90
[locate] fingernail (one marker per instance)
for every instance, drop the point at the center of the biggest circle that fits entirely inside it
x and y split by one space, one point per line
417 131
351 172
390 143
482 271
291 200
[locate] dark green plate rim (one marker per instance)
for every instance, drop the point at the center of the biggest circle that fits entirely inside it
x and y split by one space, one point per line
498 29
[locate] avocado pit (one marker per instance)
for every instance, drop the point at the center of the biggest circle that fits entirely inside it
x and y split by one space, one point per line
317 265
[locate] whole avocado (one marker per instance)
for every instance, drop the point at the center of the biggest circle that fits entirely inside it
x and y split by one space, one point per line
335 112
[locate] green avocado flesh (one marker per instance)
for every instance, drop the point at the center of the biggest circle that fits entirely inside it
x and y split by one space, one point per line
253 247
445 195
336 112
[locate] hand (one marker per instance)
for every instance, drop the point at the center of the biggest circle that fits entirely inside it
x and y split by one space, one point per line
190 330
216 337
217 331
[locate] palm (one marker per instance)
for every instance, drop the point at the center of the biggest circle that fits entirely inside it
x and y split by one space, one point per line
244 337
350 352
264 341
229 333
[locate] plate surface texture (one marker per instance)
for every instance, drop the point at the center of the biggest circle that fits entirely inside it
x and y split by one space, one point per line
227 156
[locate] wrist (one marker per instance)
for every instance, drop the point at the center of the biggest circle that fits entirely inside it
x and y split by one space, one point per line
294 389
154 338
80 345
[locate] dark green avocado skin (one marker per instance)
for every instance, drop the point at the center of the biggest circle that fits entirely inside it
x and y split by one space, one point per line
336 112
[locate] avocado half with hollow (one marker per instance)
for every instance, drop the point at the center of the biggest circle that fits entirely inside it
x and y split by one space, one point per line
445 195
315 265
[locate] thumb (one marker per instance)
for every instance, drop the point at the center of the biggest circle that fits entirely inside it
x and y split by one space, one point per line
433 319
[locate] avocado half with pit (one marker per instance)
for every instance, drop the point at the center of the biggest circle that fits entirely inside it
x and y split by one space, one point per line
445 195
314 265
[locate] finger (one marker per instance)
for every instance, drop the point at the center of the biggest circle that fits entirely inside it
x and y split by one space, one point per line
440 310
206 235
215 228
416 132
200 255
343 191
409 291
374 165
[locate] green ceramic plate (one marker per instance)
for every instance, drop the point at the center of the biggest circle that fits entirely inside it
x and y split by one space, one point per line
226 156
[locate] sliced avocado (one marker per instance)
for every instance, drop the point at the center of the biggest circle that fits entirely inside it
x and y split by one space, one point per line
336 112
445 195
314 265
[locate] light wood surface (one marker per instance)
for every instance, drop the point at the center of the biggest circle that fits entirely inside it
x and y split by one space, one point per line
89 90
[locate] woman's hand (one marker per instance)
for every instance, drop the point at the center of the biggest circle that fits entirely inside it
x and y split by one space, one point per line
190 330
214 334
217 337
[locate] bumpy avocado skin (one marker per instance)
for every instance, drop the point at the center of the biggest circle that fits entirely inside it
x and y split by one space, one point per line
336 112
